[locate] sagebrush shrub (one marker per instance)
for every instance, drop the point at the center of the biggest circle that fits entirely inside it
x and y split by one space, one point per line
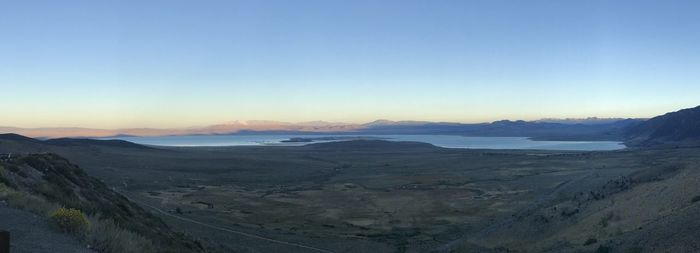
106 237
70 220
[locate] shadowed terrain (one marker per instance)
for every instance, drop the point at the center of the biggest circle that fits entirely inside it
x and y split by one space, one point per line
41 183
394 196
382 196
31 233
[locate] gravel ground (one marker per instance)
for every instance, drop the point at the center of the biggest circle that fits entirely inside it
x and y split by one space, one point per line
30 233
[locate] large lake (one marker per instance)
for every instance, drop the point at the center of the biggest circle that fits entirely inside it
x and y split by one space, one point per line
447 141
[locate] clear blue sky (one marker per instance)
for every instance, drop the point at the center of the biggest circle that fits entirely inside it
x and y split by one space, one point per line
176 63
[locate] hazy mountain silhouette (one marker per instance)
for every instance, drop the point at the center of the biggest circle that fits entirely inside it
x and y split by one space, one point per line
506 128
607 130
676 127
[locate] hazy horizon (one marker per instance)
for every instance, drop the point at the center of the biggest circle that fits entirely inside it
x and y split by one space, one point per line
262 126
312 122
177 64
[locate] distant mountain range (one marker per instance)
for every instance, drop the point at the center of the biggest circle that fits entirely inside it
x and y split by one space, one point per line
226 128
585 121
677 127
567 129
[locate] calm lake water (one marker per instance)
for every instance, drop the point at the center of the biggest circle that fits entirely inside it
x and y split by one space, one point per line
447 141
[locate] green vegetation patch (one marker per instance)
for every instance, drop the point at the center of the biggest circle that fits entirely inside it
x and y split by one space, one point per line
590 241
70 220
695 199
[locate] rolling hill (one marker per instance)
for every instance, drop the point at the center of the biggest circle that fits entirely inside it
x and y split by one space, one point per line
41 182
676 128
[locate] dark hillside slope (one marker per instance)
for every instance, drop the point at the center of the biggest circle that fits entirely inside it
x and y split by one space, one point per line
91 142
31 233
14 143
17 137
59 181
681 127
653 209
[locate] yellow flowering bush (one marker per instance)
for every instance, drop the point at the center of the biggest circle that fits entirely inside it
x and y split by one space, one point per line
70 220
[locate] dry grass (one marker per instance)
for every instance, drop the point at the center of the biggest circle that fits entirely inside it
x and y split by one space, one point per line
28 202
102 235
70 220
105 236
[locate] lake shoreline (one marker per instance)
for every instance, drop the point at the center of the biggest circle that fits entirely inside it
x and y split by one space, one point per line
444 141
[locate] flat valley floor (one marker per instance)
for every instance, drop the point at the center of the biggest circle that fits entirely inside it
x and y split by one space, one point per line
377 196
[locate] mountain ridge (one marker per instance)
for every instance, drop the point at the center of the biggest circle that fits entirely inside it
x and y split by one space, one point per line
236 127
679 127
